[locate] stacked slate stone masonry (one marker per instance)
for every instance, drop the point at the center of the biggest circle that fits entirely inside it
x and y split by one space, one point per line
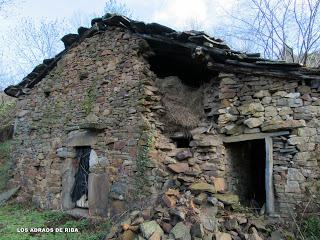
153 127
253 104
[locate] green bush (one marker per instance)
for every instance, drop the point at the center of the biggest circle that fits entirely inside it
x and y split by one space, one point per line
311 228
7 111
5 107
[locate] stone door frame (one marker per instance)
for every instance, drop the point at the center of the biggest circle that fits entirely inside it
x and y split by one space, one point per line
98 186
75 138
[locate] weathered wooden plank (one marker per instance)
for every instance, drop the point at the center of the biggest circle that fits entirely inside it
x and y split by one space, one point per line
252 136
279 64
268 176
255 70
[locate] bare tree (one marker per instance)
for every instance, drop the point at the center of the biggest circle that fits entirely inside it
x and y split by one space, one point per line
194 24
313 59
78 19
3 3
30 43
117 7
282 29
4 76
33 42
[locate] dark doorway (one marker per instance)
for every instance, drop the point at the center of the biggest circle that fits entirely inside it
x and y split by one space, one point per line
248 164
79 193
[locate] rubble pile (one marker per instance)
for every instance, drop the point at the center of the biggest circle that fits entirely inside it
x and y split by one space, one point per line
197 214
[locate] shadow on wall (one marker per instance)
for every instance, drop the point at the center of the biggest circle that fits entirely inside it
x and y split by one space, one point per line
248 164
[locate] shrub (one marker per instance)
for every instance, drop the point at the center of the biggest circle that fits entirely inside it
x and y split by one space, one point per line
7 109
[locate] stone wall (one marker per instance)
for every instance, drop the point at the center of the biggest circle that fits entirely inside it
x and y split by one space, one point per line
103 94
252 104
202 158
93 97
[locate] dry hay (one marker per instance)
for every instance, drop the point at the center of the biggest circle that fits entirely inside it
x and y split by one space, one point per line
182 103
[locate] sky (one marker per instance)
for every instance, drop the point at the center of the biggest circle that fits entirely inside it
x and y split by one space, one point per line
216 17
178 14
174 13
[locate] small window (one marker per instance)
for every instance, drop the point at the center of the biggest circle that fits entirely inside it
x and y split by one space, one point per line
182 140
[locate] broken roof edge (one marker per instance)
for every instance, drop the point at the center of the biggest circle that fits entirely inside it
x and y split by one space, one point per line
214 53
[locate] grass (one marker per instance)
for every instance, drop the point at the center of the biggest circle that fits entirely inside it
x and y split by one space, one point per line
14 216
5 149
311 228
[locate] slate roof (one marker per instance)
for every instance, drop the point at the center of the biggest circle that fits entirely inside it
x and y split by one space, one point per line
194 46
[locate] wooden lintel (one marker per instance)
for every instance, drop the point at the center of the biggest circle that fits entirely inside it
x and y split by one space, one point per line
252 136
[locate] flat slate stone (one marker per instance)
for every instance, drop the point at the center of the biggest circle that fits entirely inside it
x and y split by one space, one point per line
80 138
282 125
181 231
78 213
67 184
228 198
203 187
149 228
222 236
179 167
4 197
69 39
98 188
208 218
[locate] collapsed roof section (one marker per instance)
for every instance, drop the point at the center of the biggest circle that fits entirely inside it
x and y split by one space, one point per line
190 47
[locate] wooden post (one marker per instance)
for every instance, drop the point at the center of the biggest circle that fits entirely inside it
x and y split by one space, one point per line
269 176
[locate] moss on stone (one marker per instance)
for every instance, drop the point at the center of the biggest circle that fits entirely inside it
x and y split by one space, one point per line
90 97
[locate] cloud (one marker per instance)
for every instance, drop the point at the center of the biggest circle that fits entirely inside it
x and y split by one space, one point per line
181 14
178 12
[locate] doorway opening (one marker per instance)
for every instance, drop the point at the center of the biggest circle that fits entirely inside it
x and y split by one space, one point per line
248 168
79 193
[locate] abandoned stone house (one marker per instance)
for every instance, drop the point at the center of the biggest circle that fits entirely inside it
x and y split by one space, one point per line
129 109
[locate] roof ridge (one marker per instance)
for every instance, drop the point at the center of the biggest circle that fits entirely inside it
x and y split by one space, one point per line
198 42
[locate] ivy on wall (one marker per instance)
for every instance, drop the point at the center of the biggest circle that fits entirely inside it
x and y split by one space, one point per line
143 161
90 97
